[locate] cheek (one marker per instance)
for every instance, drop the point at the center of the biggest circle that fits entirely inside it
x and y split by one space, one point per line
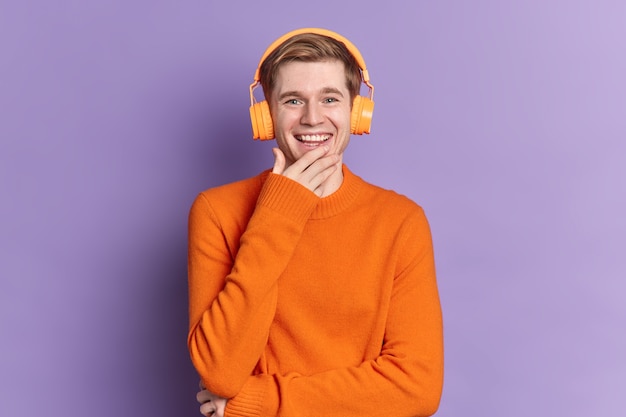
342 114
284 120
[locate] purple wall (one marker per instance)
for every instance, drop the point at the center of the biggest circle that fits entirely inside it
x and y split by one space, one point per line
505 120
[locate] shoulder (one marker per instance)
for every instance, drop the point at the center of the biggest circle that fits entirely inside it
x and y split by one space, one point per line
390 211
238 191
236 198
385 200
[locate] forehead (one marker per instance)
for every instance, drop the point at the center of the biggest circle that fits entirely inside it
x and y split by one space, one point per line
311 76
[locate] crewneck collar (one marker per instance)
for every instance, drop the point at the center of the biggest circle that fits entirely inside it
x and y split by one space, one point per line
341 199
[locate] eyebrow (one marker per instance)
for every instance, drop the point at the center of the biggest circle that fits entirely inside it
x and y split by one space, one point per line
326 90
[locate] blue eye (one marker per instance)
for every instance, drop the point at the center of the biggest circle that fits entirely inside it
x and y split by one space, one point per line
330 100
292 101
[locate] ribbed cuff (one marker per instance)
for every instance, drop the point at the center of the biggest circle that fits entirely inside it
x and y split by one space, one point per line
254 399
288 197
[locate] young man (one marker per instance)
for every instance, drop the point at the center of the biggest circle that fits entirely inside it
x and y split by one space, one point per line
312 292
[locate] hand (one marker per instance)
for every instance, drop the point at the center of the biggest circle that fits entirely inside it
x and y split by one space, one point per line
312 170
211 405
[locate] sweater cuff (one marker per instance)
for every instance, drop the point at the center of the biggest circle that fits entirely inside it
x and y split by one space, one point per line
255 399
287 197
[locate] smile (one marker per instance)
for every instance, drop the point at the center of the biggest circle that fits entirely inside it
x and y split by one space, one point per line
312 139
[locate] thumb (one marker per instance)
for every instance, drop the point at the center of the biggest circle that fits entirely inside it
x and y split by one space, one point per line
279 161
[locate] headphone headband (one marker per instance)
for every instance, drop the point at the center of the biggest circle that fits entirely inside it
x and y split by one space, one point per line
318 31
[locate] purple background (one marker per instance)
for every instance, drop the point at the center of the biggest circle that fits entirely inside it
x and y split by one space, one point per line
506 121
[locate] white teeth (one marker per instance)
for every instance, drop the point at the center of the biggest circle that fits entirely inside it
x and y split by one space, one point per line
313 138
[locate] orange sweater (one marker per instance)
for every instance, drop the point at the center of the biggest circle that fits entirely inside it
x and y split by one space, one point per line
306 306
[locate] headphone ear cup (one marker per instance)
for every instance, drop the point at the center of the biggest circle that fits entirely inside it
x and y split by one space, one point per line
361 116
261 118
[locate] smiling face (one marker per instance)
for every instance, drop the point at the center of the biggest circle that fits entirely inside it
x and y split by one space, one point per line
310 106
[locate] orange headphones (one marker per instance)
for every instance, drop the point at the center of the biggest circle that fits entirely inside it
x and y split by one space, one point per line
362 107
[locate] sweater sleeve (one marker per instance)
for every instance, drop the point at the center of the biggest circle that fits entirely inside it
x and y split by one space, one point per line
404 380
232 301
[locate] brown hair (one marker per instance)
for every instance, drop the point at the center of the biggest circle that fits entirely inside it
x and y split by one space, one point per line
310 47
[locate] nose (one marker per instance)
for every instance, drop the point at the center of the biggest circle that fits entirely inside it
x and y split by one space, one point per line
312 114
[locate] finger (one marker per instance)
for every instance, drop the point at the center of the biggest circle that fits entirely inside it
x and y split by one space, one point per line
203 396
319 170
279 161
316 174
207 409
309 165
309 158
320 178
201 385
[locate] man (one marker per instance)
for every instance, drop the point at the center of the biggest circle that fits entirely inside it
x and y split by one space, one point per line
312 292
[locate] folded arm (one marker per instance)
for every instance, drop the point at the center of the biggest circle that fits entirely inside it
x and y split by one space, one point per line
232 298
404 380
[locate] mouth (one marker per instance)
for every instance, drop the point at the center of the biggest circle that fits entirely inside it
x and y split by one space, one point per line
312 141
